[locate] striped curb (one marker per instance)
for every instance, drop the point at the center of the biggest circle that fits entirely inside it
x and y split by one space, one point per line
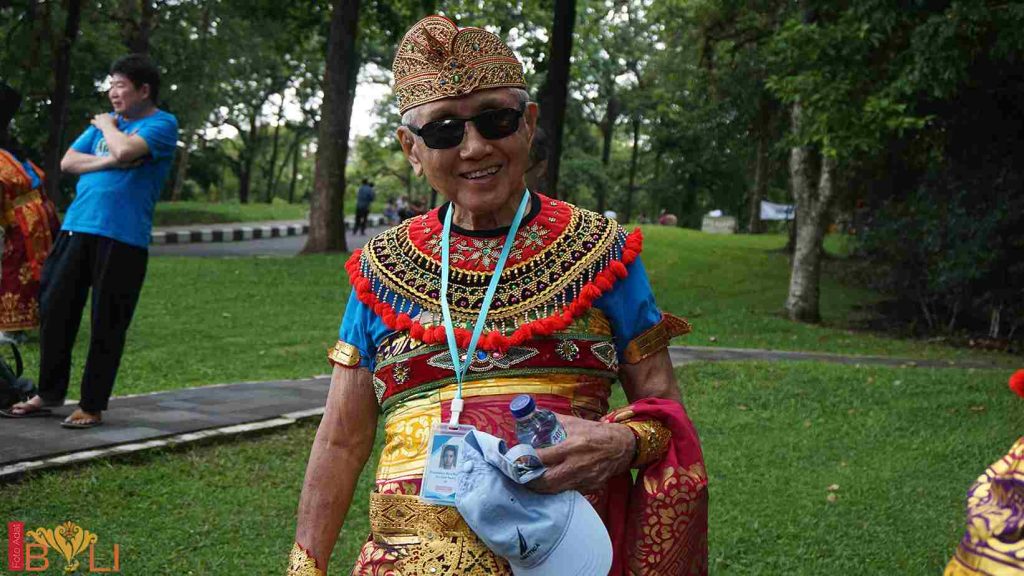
229 234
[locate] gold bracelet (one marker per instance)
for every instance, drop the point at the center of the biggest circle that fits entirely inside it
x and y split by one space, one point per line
652 439
300 563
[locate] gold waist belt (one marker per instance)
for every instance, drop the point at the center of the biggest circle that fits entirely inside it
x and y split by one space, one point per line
403 515
417 539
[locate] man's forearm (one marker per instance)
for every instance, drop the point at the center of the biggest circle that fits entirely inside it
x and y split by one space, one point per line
330 483
80 163
117 143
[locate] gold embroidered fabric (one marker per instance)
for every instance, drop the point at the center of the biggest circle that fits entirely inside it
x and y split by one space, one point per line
656 338
401 514
344 354
535 288
437 60
652 441
421 539
300 563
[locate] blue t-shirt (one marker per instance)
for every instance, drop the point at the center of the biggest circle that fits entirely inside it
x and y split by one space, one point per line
119 203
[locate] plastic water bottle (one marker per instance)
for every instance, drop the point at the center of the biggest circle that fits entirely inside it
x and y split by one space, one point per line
536 427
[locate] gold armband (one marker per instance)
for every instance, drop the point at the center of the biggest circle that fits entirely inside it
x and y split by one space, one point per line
656 338
300 563
344 354
652 439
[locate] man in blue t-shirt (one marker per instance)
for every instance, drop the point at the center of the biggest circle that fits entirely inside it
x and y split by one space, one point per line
122 161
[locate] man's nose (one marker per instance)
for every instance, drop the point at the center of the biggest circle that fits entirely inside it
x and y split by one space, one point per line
473 144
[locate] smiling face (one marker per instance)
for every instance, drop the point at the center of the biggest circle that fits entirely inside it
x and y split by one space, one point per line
125 97
478 175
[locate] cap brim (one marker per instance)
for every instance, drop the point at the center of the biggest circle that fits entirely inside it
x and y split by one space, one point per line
585 549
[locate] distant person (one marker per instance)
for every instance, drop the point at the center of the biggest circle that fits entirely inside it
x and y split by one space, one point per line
29 223
642 219
123 160
402 205
611 214
391 213
666 219
364 199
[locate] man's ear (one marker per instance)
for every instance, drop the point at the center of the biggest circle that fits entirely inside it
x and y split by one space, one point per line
407 140
146 92
530 117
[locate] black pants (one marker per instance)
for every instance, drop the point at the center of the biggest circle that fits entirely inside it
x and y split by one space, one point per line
361 217
115 272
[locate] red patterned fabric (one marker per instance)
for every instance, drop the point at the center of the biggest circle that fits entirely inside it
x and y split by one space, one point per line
30 223
659 523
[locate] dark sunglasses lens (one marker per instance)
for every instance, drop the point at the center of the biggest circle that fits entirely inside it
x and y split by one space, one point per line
495 124
443 134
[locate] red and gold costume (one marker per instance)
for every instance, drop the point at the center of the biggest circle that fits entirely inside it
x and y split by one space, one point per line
573 303
29 220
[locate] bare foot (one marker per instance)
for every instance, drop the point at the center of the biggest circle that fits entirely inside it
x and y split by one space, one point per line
33 404
82 419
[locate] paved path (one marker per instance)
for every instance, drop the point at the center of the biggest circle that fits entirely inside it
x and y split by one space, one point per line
136 423
685 354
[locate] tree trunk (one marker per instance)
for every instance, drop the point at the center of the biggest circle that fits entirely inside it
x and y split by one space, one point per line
295 170
553 115
59 101
182 171
607 126
630 192
326 215
812 204
244 180
271 181
757 193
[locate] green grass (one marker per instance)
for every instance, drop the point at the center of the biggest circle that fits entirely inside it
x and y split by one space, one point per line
902 444
733 288
180 213
208 321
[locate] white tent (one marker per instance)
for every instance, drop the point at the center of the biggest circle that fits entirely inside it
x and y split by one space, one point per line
773 211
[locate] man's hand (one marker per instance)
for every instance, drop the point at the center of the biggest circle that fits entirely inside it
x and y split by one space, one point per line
592 453
104 122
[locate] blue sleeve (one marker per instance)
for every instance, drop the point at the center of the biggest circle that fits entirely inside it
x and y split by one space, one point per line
363 329
160 134
86 143
630 306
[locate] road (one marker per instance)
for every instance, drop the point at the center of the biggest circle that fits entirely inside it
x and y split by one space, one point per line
281 247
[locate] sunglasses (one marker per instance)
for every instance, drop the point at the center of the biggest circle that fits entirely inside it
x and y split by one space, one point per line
448 133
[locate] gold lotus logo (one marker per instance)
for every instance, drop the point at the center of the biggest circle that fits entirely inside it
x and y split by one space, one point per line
68 539
29 550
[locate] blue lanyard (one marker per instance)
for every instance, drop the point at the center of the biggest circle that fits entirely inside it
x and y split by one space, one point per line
478 328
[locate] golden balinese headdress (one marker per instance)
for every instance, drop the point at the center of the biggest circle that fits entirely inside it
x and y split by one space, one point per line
437 60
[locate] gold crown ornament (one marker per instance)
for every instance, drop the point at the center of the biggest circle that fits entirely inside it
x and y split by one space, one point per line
437 60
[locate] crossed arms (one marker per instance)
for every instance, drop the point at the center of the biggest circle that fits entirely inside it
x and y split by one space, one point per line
126 151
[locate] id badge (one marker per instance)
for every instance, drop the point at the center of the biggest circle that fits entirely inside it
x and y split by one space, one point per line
441 472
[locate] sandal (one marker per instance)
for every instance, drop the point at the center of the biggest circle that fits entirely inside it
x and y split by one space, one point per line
87 420
25 410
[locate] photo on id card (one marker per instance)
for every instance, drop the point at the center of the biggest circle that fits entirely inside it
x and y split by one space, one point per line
441 473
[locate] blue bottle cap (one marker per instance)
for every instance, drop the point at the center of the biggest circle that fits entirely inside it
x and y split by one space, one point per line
522 406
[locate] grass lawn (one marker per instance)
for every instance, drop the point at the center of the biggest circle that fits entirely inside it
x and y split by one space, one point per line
180 213
902 444
207 321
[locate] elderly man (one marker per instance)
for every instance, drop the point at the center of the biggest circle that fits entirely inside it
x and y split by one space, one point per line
498 292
